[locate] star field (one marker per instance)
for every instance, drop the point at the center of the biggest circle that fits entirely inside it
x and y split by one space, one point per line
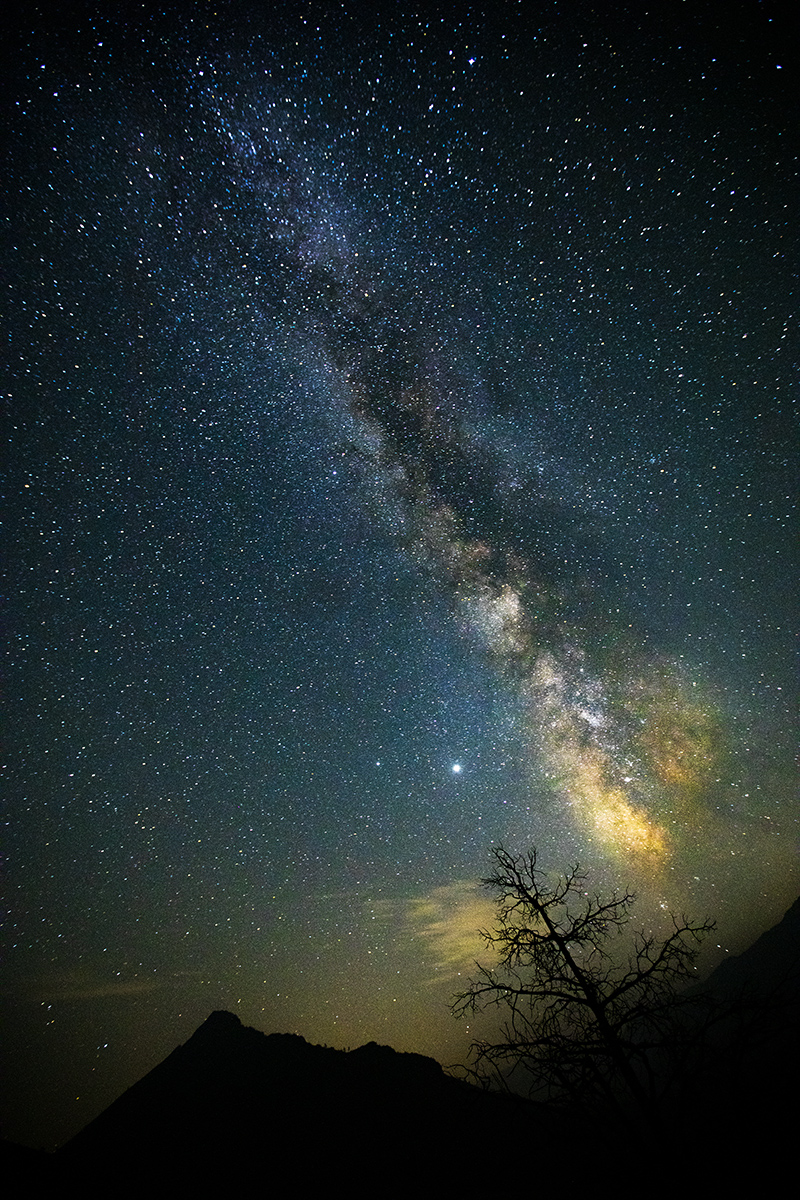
401 462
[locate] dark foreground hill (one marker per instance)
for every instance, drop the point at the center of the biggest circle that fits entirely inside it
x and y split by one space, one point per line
232 1106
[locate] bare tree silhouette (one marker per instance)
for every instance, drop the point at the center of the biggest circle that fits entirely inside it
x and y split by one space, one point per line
594 1011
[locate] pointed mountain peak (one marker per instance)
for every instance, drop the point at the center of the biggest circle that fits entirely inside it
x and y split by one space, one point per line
220 1026
221 1019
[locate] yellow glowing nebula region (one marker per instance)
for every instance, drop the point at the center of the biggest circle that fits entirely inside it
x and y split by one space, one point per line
624 748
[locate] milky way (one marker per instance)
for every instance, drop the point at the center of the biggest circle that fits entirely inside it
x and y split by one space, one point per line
628 739
400 466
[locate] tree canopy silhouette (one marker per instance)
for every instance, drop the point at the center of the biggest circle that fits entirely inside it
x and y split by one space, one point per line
593 1011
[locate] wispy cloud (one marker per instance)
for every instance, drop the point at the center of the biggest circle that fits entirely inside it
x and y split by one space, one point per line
449 919
72 986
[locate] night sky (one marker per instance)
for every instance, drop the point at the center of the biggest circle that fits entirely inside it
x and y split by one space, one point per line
400 463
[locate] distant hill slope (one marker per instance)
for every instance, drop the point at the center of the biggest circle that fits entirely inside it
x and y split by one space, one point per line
747 1087
771 966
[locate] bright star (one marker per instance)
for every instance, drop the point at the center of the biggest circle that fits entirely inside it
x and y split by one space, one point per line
456 768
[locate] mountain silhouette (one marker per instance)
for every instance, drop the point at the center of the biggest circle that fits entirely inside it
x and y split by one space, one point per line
232 1104
236 1108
